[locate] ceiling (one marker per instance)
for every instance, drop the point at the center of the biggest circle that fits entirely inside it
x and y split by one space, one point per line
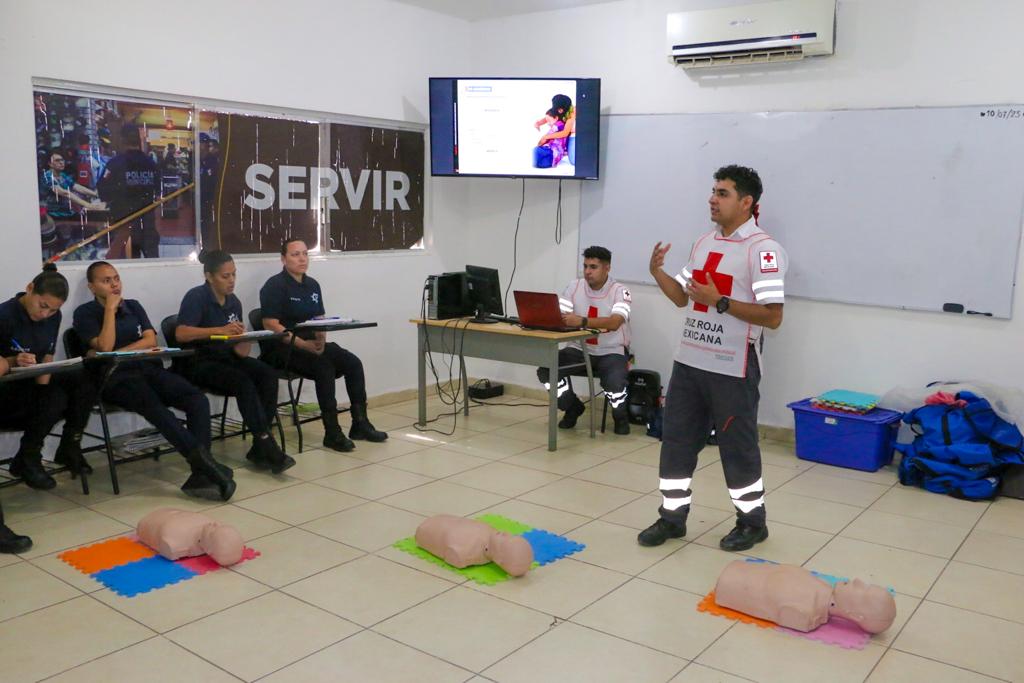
476 10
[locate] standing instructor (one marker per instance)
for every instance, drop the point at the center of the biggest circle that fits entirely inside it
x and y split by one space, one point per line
731 288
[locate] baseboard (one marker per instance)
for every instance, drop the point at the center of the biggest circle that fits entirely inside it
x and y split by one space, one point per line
784 435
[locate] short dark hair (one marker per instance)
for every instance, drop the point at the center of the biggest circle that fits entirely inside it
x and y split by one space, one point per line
600 253
212 260
748 183
50 282
93 267
289 240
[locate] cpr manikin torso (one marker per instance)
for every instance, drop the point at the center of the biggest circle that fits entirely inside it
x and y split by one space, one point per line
463 542
793 597
177 533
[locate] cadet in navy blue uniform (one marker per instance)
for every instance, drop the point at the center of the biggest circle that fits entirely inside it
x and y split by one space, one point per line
110 323
292 297
29 324
130 183
213 309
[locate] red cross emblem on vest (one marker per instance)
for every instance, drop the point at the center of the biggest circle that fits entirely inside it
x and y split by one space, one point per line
722 281
592 313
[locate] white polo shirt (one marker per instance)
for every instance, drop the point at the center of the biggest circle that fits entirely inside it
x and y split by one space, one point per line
612 299
747 266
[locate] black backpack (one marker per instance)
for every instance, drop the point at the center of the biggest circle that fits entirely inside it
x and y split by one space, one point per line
644 391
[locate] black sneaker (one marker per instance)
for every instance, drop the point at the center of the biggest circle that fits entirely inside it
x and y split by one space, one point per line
659 532
198 485
573 413
32 474
743 537
339 442
11 542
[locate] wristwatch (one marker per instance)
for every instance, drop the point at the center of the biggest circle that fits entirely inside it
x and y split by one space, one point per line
723 305
585 322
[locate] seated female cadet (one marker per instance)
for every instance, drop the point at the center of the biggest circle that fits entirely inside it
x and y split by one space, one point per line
110 323
213 309
292 297
29 324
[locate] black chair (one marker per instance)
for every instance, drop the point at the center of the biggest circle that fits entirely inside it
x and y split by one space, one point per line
256 323
75 348
168 326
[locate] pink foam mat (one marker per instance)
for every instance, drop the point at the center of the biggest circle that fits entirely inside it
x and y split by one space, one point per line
205 563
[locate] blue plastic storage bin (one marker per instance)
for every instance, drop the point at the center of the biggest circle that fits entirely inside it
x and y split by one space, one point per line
861 442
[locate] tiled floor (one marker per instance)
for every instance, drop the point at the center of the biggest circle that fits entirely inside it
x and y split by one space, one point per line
331 600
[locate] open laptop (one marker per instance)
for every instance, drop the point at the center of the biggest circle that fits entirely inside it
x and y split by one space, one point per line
540 311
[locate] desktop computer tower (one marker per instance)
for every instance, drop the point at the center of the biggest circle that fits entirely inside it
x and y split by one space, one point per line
447 296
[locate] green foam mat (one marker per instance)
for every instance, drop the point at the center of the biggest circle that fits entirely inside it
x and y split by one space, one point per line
509 526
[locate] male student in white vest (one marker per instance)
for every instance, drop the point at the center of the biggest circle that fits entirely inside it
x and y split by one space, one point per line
731 288
595 300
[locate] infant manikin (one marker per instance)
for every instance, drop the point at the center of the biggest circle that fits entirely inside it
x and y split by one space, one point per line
793 597
177 533
462 542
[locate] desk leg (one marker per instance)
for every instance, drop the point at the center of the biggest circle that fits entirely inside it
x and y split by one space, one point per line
553 399
590 387
465 384
421 375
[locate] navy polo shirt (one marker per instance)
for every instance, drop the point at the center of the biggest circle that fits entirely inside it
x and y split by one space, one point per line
36 337
289 301
199 308
130 322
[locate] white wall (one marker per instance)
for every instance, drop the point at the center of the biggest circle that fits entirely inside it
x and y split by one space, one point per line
359 57
372 58
889 53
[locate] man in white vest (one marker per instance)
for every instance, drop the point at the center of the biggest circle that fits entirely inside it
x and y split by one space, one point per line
732 288
595 300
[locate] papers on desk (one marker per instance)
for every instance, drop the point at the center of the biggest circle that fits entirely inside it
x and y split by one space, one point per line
51 365
323 322
139 352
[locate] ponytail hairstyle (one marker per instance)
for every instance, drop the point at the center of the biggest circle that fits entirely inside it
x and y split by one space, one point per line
50 282
212 260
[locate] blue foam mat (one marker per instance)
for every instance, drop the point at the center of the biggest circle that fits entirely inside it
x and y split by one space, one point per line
142 576
548 547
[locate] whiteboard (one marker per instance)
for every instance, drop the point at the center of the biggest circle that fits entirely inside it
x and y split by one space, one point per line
906 208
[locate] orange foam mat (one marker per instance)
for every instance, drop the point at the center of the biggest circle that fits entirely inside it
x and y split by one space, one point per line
107 554
709 605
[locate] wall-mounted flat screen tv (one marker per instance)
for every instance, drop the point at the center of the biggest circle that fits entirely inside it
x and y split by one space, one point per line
515 127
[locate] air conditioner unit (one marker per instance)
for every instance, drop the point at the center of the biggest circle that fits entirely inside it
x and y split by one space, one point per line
768 32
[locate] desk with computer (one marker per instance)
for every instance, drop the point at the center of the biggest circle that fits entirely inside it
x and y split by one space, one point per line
461 316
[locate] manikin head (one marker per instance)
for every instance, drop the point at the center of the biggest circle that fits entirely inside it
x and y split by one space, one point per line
511 553
871 607
223 543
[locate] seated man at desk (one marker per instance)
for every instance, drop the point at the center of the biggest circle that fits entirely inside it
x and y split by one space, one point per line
595 300
292 297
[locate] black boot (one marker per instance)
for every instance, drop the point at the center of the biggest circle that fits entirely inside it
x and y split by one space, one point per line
743 537
334 437
659 532
266 453
572 414
11 542
621 417
362 428
209 479
29 466
69 453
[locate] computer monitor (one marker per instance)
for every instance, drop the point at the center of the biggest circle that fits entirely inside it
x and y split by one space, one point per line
484 293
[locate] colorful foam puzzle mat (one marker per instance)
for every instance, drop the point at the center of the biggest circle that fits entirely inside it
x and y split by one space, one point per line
836 631
128 567
547 548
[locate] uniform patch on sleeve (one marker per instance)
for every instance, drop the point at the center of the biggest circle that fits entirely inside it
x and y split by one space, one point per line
769 262
626 296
